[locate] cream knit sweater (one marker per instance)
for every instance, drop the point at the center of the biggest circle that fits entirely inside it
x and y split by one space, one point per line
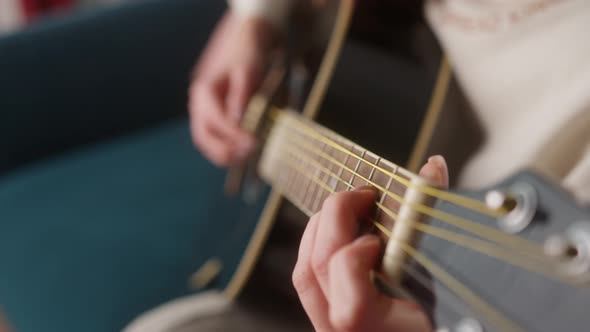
525 67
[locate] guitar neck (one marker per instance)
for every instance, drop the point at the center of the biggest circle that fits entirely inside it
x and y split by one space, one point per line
461 245
308 162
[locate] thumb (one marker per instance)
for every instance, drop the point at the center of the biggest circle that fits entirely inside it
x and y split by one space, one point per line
436 171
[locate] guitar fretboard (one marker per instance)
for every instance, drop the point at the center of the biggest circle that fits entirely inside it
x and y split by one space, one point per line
308 162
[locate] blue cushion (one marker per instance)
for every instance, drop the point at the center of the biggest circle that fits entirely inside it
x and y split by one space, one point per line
91 239
79 79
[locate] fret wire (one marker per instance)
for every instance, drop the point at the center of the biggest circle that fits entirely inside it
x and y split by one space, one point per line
383 197
373 170
351 174
440 233
300 183
313 196
335 185
301 188
306 194
305 165
480 230
346 157
305 148
330 166
369 181
466 202
453 220
315 151
284 180
462 240
294 183
325 177
356 168
290 181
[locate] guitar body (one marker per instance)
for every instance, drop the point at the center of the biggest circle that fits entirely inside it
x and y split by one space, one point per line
514 257
388 67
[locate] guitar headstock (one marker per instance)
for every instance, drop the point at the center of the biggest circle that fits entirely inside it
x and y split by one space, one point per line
525 269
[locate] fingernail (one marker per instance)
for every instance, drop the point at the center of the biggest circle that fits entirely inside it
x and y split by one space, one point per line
442 168
366 240
438 159
431 172
364 189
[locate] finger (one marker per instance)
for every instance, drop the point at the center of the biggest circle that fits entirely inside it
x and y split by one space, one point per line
338 227
310 294
214 147
436 171
353 297
355 302
242 87
211 131
211 109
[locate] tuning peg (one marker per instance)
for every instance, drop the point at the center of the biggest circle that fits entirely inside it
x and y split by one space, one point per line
571 249
519 204
500 201
559 247
468 324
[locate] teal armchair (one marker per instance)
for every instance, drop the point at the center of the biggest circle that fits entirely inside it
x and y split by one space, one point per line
76 80
106 208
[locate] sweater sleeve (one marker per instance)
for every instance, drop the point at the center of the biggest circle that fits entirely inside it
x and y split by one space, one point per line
524 67
275 11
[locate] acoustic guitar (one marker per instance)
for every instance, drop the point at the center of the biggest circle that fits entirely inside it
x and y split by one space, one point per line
513 257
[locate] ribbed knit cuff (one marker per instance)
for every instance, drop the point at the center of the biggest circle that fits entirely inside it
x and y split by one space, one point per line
274 11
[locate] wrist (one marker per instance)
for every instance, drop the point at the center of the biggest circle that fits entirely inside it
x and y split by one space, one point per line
261 32
274 12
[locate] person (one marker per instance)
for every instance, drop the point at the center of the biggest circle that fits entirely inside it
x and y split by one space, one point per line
228 73
517 63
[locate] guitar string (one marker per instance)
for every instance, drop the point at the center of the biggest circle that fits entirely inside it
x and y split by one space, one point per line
312 130
456 286
480 230
542 266
463 224
291 151
486 310
414 274
469 226
468 203
452 283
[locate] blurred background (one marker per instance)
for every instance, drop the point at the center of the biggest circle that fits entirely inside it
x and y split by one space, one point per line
97 168
15 14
